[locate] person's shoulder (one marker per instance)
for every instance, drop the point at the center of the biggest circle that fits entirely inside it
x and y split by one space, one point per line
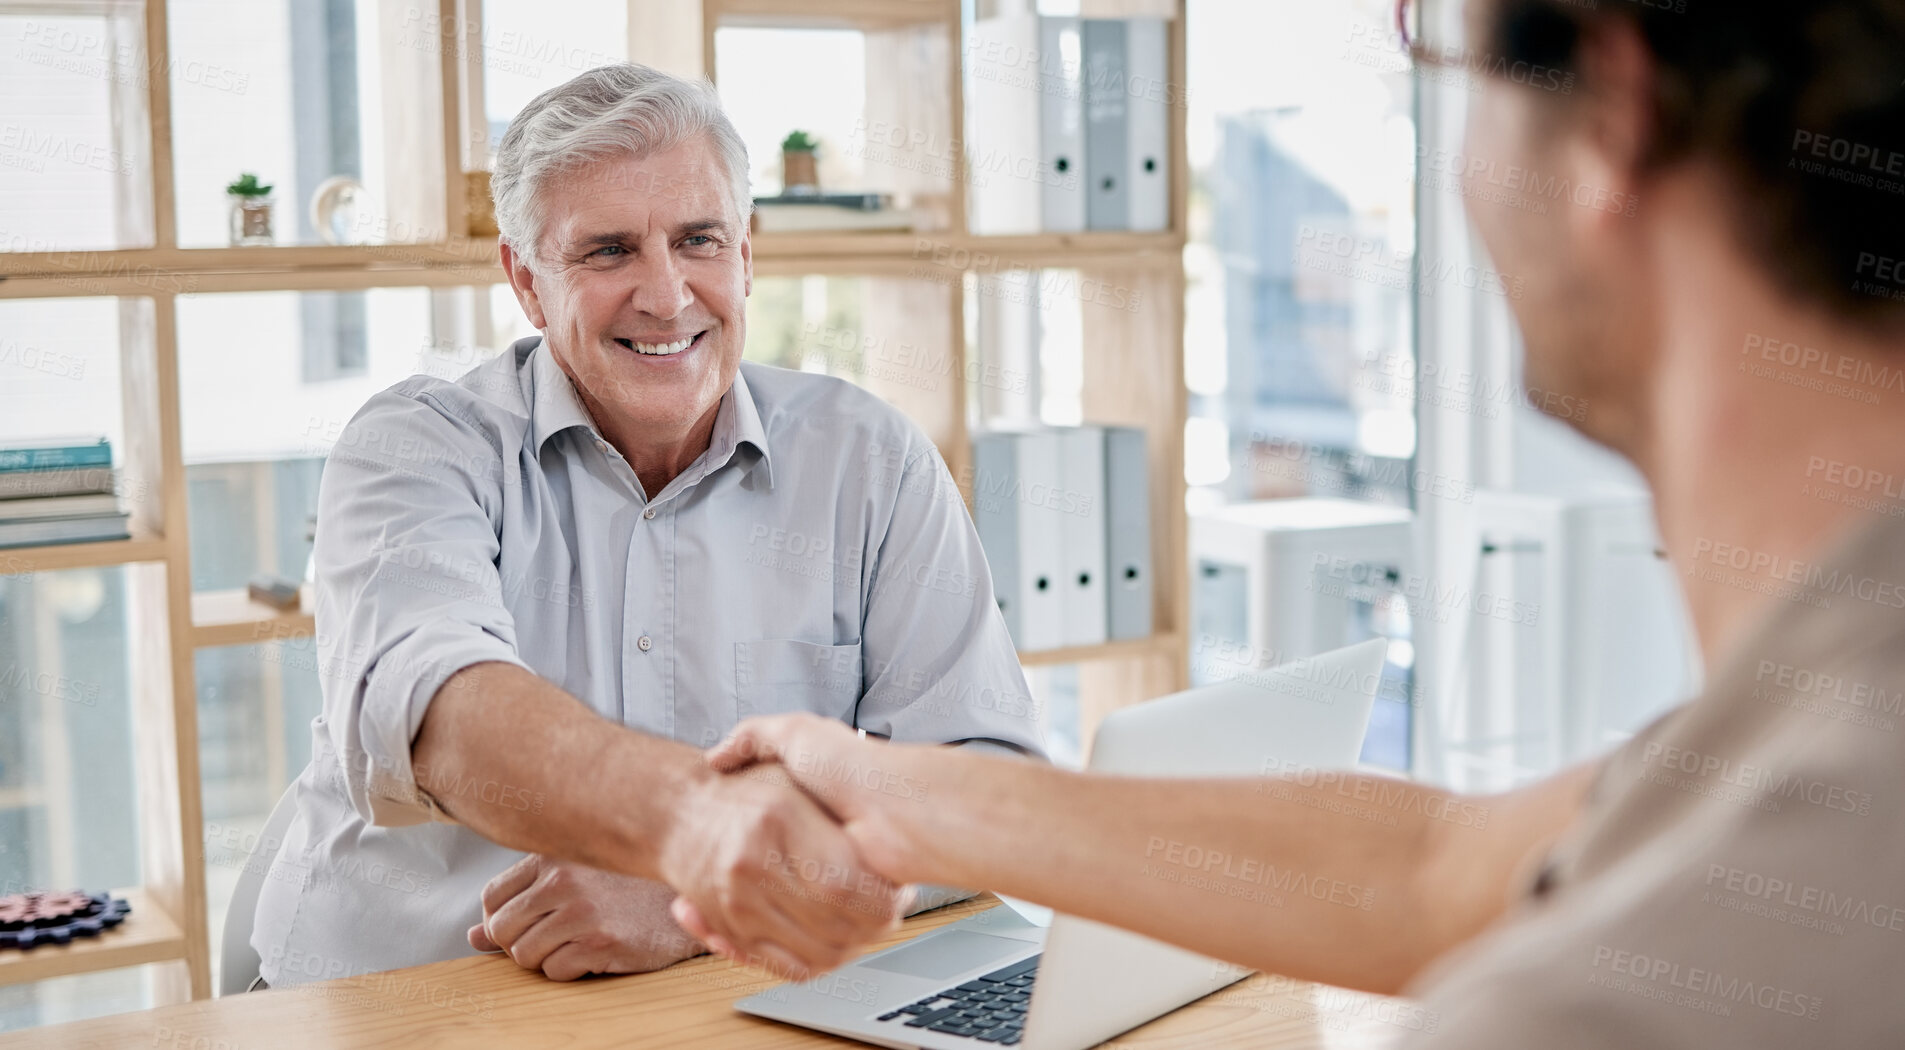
472 420
488 399
811 407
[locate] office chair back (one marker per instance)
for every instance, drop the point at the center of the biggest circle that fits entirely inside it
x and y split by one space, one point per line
238 961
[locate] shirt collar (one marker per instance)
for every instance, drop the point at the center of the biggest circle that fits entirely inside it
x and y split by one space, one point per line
557 407
739 423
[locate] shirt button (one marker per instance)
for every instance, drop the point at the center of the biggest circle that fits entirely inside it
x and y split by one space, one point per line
644 644
649 513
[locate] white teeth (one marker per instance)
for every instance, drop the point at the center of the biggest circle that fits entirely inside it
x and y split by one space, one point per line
662 349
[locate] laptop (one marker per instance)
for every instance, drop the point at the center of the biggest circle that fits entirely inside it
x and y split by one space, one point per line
1004 977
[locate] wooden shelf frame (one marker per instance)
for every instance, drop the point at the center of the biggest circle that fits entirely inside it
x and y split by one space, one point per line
150 271
1134 376
97 555
834 14
222 618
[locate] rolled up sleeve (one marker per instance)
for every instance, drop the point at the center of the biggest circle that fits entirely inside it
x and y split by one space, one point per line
940 666
408 592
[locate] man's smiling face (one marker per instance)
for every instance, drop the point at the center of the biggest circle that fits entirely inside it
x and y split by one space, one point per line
642 287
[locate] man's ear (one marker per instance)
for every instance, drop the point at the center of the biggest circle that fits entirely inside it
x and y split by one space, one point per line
1616 128
747 260
522 281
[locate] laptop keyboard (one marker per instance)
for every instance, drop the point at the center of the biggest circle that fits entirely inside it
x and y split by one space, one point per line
987 1009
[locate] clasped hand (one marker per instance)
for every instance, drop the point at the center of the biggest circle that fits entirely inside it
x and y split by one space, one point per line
873 797
768 877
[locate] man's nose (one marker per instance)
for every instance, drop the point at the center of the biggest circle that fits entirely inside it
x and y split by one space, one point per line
661 288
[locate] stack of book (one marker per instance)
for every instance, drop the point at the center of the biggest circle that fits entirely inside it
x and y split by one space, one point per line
58 491
808 212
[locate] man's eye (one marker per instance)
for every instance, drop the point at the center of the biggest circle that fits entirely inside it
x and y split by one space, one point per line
699 240
606 252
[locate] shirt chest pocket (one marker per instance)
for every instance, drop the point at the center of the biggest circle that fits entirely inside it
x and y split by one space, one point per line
779 675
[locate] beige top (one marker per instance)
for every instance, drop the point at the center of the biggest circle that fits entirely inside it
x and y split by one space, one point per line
1737 879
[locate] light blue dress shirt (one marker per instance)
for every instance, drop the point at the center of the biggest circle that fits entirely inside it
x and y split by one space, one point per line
817 557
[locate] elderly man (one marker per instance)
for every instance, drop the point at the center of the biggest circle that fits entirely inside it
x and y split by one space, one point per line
543 587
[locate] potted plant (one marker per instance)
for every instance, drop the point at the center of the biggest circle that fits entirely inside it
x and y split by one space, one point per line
251 210
800 170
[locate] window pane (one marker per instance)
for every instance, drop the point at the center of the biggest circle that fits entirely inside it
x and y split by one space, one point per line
268 379
255 706
298 94
261 374
68 815
826 100
74 168
872 102
530 46
1302 249
59 371
891 335
809 324
251 518
1299 346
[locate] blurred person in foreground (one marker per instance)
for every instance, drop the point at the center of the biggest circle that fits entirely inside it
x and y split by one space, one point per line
1734 876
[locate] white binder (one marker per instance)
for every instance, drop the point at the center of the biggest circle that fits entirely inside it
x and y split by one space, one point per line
1128 583
1002 125
1015 478
1061 106
1148 119
1025 128
1081 509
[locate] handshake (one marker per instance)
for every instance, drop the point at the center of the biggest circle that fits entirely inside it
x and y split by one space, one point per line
793 850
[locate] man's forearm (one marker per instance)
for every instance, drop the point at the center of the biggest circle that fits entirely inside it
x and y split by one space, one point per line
1358 881
569 783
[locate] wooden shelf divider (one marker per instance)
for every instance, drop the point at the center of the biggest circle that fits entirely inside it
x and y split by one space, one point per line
832 14
1155 645
926 254
233 618
100 554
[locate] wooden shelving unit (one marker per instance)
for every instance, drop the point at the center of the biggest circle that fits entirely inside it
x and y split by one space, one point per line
1133 376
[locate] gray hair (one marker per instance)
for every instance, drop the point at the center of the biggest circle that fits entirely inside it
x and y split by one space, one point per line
611 112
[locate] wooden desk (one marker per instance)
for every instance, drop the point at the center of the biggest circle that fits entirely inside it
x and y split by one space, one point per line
486 1001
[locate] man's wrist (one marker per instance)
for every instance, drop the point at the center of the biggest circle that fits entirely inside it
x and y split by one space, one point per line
952 799
675 811
667 785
